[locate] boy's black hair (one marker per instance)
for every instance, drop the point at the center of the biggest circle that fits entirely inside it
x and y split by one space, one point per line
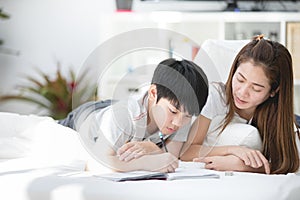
183 83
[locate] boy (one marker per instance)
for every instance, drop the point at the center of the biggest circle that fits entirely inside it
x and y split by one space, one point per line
144 133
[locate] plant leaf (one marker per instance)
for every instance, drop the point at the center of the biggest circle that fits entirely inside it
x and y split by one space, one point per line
23 98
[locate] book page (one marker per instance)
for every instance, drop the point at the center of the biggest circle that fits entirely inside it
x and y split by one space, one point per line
192 170
192 174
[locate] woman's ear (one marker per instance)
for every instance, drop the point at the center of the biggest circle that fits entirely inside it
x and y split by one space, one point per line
273 93
152 93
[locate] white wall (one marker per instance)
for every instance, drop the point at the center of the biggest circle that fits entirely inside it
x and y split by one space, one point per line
45 32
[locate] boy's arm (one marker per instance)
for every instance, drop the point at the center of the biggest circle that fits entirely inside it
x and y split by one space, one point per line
137 149
164 162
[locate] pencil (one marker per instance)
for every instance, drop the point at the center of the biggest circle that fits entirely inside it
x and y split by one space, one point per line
163 141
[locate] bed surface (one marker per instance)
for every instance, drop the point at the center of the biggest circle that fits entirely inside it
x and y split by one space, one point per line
50 166
70 182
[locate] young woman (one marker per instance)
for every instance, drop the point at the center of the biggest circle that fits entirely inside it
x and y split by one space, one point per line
259 90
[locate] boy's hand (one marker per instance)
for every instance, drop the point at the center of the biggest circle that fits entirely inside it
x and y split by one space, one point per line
134 149
164 162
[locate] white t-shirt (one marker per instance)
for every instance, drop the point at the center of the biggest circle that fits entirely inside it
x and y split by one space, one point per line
125 121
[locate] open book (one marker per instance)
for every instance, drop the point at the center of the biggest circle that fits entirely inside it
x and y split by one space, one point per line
134 176
186 170
191 174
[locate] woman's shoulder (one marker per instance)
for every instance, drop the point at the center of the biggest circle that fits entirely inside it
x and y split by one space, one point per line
217 90
216 101
217 86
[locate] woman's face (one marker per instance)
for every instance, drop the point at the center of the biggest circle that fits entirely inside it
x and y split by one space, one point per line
250 87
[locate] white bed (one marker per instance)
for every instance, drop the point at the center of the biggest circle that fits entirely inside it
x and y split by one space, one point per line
47 163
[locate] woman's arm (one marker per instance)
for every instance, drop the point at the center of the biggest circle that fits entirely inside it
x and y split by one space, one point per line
245 159
231 163
192 148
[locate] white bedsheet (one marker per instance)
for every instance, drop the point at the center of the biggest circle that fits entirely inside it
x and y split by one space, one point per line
24 179
55 153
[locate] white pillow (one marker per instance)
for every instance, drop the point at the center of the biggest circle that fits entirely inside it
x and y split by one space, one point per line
54 144
215 57
39 138
14 141
13 147
238 134
12 124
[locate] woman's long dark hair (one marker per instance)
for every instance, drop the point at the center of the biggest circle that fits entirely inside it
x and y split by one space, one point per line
274 118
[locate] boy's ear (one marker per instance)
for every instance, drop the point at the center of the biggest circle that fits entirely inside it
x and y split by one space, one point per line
152 92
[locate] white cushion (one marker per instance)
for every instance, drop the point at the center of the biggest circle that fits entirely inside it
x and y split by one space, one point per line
54 144
238 134
40 138
215 57
12 124
14 140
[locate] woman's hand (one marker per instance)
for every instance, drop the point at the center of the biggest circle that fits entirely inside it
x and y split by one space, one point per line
252 158
222 163
134 149
228 163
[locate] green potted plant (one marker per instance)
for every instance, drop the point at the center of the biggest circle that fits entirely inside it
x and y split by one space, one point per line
58 95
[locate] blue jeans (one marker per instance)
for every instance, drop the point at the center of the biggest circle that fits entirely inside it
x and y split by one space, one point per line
75 117
298 119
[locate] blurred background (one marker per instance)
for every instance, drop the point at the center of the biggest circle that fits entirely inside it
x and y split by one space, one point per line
38 38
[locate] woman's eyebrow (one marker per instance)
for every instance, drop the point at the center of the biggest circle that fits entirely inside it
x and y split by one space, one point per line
257 84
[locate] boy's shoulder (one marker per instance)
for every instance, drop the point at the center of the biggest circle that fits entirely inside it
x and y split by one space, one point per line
134 105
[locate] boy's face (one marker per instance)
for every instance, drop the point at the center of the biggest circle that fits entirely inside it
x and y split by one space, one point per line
168 118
